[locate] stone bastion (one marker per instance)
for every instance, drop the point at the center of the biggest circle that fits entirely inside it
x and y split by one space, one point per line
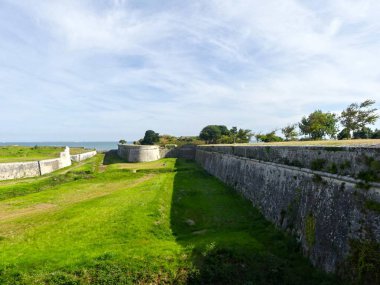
145 153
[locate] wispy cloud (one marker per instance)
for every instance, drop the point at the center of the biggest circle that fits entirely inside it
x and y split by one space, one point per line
99 70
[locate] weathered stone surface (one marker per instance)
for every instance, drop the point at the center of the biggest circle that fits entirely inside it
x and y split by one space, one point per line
83 156
324 211
36 168
19 170
145 153
138 153
342 160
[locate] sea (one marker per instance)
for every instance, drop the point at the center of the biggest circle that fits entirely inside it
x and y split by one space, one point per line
99 146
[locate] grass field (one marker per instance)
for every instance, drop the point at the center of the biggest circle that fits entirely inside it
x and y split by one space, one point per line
164 222
24 153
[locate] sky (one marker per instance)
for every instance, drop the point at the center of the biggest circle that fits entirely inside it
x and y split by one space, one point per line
97 70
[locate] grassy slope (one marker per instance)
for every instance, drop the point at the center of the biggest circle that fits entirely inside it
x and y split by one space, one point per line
24 153
168 222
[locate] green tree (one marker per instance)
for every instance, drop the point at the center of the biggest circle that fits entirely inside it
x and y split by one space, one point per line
363 133
318 124
212 133
233 133
150 138
290 132
358 116
376 134
269 137
243 136
122 141
344 134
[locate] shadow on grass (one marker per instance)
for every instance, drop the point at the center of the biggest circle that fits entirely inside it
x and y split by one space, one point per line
230 241
111 157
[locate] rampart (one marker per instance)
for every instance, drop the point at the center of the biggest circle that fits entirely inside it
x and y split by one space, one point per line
145 153
139 153
337 160
41 167
325 211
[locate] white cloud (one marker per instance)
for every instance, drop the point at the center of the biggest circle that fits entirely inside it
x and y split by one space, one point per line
176 67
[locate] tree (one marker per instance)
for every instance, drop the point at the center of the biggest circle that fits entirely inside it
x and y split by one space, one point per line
150 138
290 132
358 116
269 137
233 133
122 141
212 133
363 133
318 124
344 134
243 136
376 134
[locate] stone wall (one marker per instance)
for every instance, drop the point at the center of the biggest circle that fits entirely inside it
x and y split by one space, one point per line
138 153
83 156
185 152
41 167
19 170
145 153
339 160
324 211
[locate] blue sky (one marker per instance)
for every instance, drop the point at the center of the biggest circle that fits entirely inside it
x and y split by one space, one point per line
105 70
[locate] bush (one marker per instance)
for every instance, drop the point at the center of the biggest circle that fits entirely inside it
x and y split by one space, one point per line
344 134
364 133
269 137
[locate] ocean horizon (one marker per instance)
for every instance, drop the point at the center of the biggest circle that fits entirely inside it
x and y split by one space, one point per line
99 146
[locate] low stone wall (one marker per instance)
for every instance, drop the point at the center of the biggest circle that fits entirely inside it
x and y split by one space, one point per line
339 160
19 170
324 211
36 168
83 156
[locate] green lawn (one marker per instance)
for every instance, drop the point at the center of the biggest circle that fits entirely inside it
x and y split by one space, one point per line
25 153
164 222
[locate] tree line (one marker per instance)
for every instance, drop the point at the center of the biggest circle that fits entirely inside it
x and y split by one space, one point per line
355 120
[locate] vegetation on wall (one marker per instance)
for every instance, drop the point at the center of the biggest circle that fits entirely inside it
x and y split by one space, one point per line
363 263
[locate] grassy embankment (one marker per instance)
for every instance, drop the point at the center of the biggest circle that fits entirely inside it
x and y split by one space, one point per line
25 153
161 222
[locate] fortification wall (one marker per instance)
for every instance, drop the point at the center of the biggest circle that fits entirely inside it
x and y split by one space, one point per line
139 153
337 160
36 168
185 152
324 211
83 156
19 170
145 153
